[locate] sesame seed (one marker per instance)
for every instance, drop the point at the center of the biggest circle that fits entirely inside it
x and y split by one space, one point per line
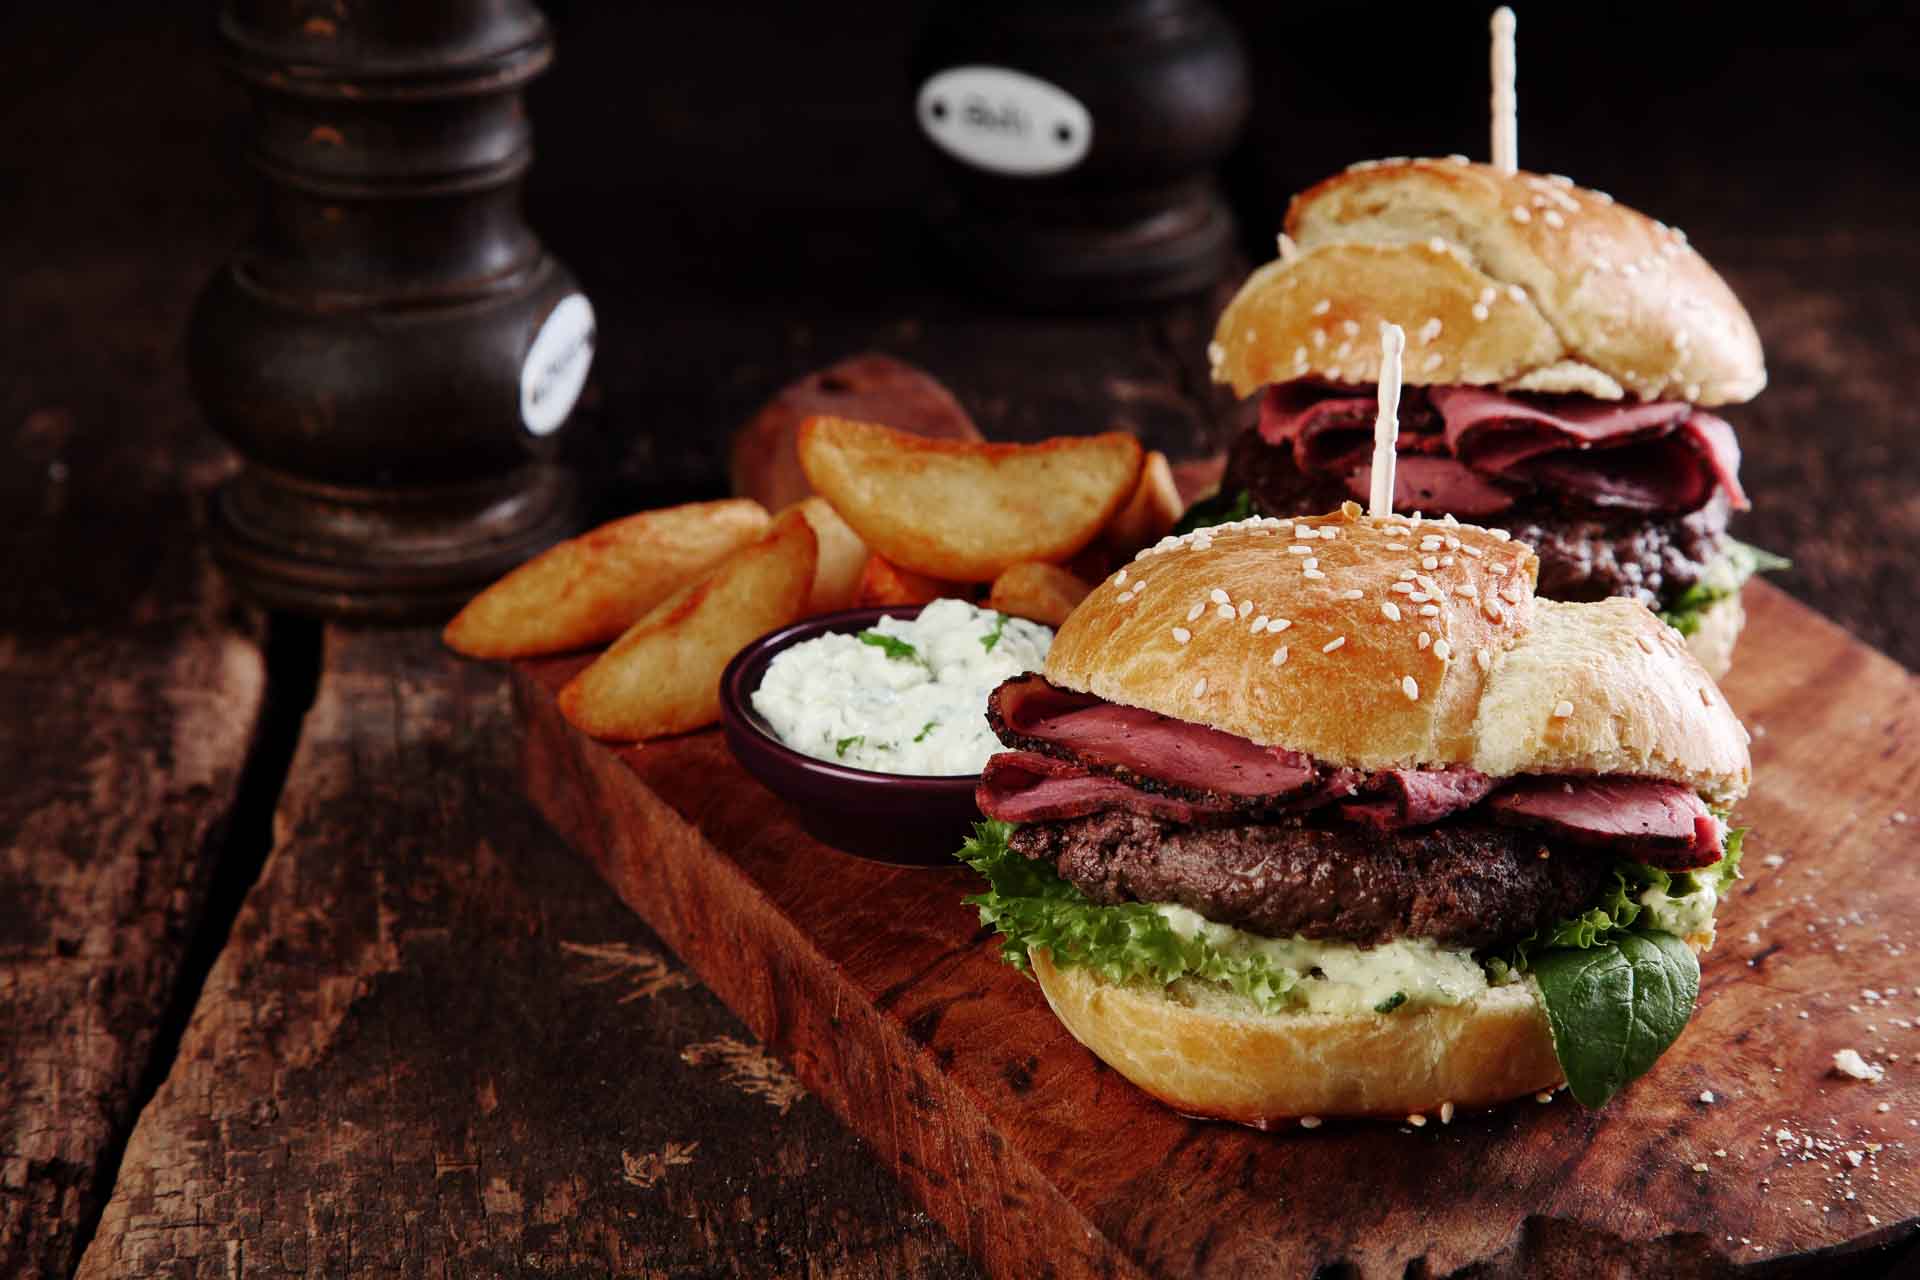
1430 543
1430 562
1475 552
1446 1113
1120 578
1437 245
1446 562
1543 1097
1311 562
1553 219
1321 307
1431 363
1429 610
1480 311
1319 338
1410 687
1522 214
1299 549
1313 573
1408 575
1193 614
1333 644
1391 609
1302 531
1344 350
1417 1120
1352 593
1300 354
1705 701
1515 292
1225 613
1329 533
1430 330
1426 638
1279 624
1216 354
1418 597
1218 596
1645 644
1442 650
1350 327
1468 590
1488 294
1181 635
1562 709
1404 588
1279 658
1499 535
1259 625
1484 660
1309 1122
1200 687
1497 570
1245 607
1693 391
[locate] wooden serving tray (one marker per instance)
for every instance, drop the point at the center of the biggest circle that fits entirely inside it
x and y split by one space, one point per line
889 1000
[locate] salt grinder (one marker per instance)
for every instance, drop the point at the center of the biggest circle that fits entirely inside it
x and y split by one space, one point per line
393 354
1078 140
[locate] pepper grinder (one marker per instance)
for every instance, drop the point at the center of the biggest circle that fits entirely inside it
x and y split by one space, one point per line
393 354
1078 140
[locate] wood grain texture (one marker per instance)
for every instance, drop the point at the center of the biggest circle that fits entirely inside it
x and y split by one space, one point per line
131 685
878 987
436 1046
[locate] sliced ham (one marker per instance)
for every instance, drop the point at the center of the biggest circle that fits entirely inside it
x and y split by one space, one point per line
1435 484
1660 823
1398 798
1470 450
1023 786
1029 712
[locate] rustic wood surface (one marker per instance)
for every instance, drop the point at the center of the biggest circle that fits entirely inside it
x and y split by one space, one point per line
434 1045
731 247
879 987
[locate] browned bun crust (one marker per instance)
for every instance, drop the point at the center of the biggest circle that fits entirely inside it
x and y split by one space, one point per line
1574 292
1589 688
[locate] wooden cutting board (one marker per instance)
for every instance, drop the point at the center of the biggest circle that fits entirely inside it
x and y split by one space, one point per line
887 997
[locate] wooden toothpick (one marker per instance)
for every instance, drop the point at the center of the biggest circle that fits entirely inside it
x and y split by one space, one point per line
1506 124
1386 424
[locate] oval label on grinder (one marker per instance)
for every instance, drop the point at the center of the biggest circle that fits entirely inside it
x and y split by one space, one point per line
556 365
1005 121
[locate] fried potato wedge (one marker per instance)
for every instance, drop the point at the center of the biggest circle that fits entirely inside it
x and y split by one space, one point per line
843 557
1150 513
883 583
663 675
965 511
588 590
1039 592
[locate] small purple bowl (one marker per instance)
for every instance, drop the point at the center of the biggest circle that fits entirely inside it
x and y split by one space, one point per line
911 820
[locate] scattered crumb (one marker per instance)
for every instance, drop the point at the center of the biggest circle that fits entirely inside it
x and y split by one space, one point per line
1850 1064
1309 1122
1706 1096
1700 1167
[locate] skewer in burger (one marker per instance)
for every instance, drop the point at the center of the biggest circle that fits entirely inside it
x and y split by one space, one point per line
1334 816
1564 353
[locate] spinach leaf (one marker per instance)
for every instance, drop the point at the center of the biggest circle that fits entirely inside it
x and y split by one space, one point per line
1614 1009
1723 577
1221 508
894 646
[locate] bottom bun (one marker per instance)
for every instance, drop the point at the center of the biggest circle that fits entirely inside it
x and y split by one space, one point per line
1712 643
1207 1052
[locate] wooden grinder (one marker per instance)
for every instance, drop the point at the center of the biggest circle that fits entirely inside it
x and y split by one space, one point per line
393 353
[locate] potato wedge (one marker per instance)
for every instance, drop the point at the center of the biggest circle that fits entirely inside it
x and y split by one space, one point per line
963 511
843 557
663 675
882 583
1039 592
1150 513
588 590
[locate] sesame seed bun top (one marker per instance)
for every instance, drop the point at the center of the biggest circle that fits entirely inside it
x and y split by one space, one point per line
1515 280
1397 642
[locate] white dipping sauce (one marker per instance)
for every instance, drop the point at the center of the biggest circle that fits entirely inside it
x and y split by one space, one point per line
911 698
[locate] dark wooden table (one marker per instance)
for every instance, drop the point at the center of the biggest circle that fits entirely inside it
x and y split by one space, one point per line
292 981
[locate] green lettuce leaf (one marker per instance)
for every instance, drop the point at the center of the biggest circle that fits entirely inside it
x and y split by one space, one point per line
1221 508
1722 578
1034 908
1613 1010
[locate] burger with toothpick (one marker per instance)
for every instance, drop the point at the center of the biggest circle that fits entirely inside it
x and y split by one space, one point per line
1337 815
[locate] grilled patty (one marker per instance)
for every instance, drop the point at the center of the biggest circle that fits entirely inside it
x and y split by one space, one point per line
1463 884
1585 553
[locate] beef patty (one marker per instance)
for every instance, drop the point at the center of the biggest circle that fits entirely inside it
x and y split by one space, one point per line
1586 553
1463 884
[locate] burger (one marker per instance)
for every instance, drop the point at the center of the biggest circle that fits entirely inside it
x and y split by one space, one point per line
1563 356
1336 816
